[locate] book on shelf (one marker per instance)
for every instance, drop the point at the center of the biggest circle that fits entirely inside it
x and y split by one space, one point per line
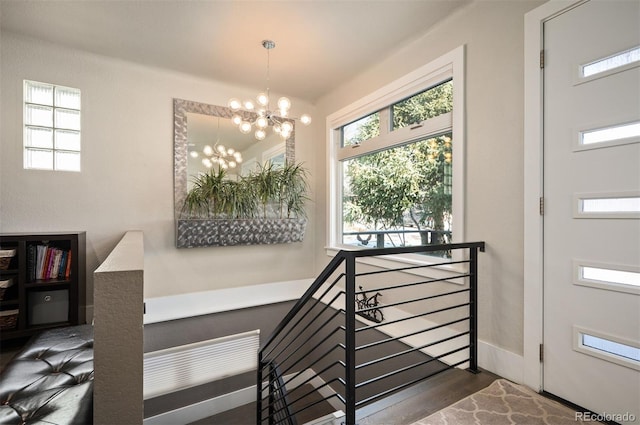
46 262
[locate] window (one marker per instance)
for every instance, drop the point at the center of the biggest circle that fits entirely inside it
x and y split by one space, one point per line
396 162
51 127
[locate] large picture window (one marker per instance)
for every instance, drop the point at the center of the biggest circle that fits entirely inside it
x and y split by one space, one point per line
396 160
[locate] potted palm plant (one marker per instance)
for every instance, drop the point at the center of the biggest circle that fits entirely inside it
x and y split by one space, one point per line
265 207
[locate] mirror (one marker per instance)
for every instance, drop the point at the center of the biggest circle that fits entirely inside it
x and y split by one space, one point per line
197 125
200 130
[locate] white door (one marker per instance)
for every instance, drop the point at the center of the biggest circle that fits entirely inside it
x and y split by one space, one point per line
592 207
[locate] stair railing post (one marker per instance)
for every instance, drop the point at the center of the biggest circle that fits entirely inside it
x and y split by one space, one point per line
473 309
350 340
259 390
272 395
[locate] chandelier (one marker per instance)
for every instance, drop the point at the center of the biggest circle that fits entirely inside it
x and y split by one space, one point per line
218 154
263 116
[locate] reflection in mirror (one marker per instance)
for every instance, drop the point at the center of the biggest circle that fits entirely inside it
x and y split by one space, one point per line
214 142
196 126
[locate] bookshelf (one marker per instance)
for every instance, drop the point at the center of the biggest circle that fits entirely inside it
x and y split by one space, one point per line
47 282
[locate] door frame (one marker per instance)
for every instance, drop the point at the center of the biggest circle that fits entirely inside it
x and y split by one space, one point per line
533 186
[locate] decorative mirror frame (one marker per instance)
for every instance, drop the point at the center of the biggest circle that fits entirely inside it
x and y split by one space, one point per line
192 233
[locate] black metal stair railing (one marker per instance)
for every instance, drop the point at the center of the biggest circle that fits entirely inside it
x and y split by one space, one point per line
356 337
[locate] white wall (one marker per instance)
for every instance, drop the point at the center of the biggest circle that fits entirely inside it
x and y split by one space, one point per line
493 32
126 181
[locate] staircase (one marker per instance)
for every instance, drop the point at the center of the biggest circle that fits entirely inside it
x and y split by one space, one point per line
361 334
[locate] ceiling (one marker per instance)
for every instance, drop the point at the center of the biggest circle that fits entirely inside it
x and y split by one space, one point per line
319 44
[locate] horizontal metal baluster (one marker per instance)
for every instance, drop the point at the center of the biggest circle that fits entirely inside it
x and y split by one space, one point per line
291 403
311 322
365 328
430 297
373 344
316 302
410 350
422 266
310 351
406 368
317 283
406 385
406 285
275 400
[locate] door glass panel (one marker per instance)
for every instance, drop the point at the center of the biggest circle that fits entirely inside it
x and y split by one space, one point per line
611 205
611 62
611 347
610 134
611 276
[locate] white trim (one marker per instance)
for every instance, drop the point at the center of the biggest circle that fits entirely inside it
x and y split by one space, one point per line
533 186
161 309
449 65
222 403
504 363
204 409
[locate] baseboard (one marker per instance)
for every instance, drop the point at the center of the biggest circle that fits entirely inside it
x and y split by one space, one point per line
502 362
204 409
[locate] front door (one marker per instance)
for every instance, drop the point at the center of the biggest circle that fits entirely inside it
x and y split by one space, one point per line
592 207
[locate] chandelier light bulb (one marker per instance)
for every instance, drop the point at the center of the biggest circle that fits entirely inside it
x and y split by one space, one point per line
287 127
232 164
283 112
260 134
236 119
207 162
245 127
221 149
262 122
263 99
224 165
207 150
237 156
305 119
284 103
234 104
193 154
230 151
249 105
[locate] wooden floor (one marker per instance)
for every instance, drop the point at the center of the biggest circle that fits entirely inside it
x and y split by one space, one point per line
402 408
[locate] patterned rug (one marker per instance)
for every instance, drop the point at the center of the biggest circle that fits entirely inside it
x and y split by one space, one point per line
503 402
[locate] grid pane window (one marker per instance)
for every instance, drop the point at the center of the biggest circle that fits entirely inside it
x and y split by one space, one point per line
363 129
52 121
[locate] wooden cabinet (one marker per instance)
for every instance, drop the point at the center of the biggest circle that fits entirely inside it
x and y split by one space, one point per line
48 287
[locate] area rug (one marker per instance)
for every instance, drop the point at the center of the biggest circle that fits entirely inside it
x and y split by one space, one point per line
503 402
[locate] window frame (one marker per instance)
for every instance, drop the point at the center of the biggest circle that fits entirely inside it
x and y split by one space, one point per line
449 66
53 128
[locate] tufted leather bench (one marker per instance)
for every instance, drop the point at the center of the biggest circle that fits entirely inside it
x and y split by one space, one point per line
50 380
